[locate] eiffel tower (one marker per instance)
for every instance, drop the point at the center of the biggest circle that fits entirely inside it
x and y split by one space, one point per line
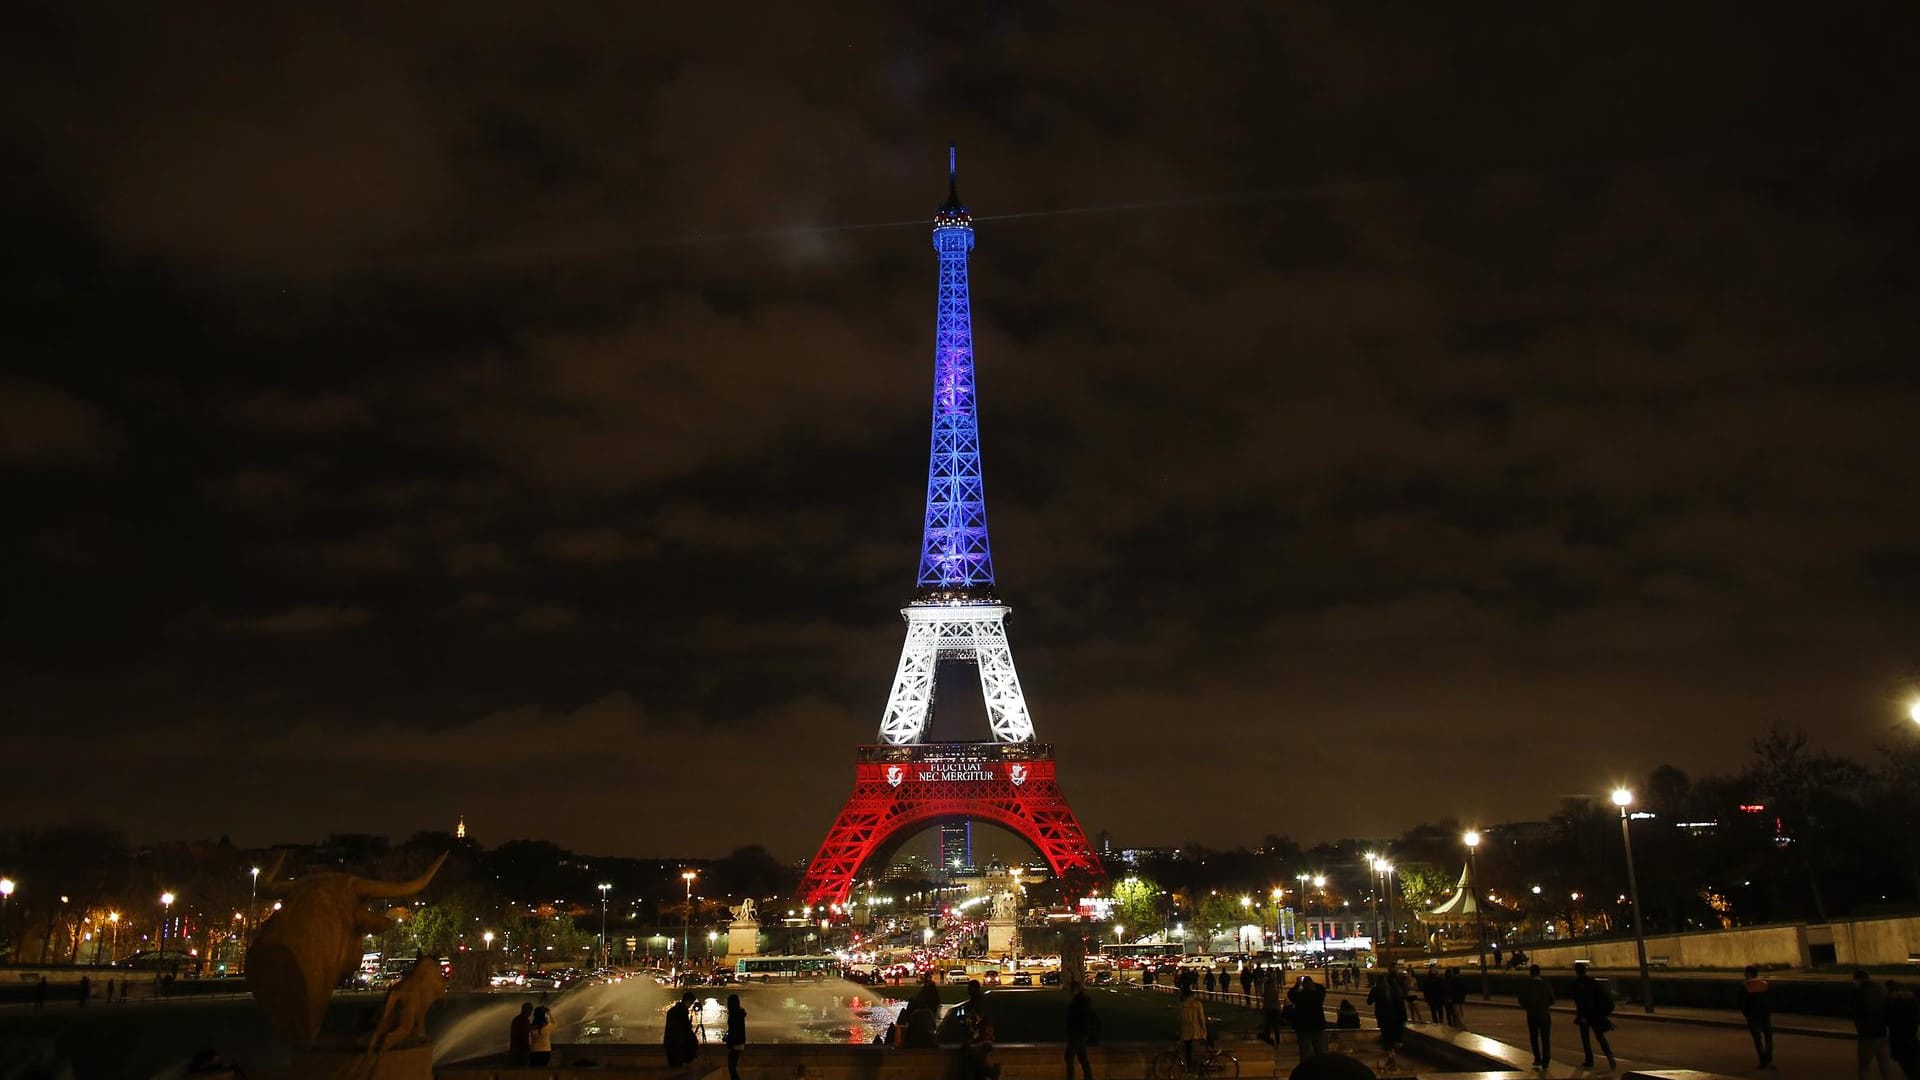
903 783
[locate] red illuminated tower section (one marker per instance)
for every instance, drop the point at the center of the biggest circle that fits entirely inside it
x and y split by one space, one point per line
903 784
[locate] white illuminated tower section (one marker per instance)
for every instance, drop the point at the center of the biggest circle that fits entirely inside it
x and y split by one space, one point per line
955 614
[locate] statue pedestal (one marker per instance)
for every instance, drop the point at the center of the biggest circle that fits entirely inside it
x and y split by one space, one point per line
743 937
1001 936
325 1063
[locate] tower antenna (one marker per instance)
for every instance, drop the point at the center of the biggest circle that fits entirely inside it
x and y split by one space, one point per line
953 173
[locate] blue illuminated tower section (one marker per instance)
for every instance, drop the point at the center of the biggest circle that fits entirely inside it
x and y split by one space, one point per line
956 558
954 614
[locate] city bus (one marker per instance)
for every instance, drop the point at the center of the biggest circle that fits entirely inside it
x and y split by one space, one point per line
1137 953
785 968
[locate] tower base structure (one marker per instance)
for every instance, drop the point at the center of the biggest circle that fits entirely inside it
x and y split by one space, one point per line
900 788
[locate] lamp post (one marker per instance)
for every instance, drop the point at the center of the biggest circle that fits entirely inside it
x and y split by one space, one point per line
253 899
686 918
1274 909
1373 865
487 938
1623 798
713 938
604 887
1479 917
1386 877
6 898
113 920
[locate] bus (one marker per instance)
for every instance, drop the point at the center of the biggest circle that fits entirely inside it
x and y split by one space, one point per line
785 968
1149 953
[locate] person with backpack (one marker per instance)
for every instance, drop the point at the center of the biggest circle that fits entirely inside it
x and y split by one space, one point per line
1592 1014
1756 1004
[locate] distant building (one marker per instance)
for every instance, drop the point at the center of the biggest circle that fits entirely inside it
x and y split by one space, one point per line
460 829
956 846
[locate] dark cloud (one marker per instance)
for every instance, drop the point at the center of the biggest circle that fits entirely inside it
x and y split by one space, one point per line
1374 402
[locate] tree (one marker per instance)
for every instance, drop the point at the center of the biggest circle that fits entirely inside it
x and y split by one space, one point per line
1422 886
1136 905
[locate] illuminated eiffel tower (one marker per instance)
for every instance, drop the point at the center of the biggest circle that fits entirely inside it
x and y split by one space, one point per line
903 783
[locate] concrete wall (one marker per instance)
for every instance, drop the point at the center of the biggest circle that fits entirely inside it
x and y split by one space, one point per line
1866 942
1777 945
1859 942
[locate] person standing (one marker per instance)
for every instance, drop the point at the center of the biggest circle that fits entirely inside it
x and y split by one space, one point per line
1536 999
1456 998
1193 1022
40 993
1870 1026
1082 1028
518 1046
1434 990
736 1035
540 1037
1246 981
1270 1010
1389 1000
1903 1028
86 990
1209 980
1756 1004
1309 1001
678 1039
927 997
1592 1014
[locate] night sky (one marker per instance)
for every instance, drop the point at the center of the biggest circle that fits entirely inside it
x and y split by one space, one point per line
1389 415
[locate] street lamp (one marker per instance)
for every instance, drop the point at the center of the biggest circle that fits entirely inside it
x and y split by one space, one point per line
488 939
1386 880
686 920
166 907
1479 917
6 897
1373 864
1275 896
253 897
603 921
113 918
1913 711
1623 798
713 936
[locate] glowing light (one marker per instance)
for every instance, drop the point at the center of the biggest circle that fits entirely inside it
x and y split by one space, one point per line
6 886
1472 838
1913 712
1622 797
166 899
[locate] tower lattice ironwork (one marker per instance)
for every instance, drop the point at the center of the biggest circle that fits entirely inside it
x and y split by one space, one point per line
905 783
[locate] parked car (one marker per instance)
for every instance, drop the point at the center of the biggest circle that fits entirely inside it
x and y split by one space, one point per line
1023 978
1050 977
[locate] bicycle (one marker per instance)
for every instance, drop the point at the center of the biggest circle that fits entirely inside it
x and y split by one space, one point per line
1211 1061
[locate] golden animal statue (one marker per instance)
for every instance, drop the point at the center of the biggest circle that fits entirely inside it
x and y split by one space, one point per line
403 1019
303 951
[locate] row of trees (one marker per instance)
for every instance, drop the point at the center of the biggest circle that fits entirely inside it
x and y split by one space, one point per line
1796 834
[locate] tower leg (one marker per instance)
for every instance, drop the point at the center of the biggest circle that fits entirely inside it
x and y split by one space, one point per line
1000 684
912 695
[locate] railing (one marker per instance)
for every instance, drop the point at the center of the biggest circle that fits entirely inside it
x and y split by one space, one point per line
913 753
